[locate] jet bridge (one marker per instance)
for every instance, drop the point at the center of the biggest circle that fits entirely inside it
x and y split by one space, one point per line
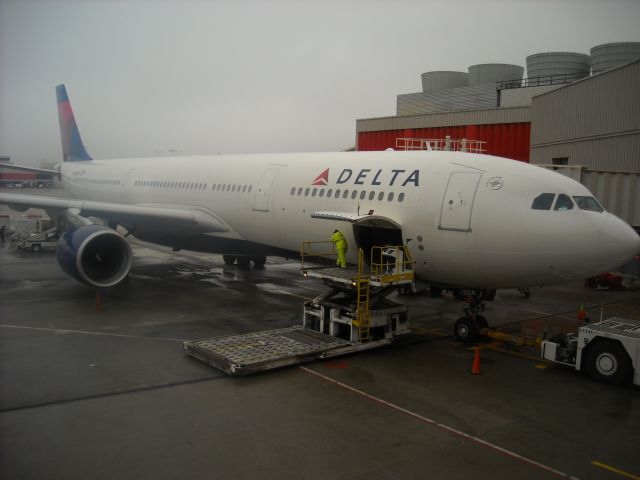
352 316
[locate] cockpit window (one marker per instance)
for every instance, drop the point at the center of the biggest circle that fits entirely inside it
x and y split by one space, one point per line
563 203
543 201
588 203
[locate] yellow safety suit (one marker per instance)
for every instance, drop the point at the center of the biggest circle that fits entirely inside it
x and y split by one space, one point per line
341 246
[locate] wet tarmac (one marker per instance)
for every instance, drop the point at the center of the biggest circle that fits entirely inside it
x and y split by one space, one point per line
109 393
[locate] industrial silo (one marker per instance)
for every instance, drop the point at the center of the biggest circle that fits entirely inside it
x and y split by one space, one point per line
572 64
609 55
443 80
491 73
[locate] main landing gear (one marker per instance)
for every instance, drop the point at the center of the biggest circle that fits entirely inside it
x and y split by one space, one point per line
467 329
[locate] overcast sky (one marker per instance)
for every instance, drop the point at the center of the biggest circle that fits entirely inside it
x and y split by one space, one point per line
147 77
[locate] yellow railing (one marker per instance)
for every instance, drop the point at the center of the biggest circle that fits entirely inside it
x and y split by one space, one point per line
391 263
326 249
387 263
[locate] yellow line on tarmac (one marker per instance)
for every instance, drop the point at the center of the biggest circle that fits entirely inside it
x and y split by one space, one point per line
614 470
510 352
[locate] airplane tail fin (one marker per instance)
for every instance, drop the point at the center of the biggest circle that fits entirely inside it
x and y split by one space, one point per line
72 147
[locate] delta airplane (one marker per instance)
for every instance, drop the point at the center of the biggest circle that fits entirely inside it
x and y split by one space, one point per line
469 220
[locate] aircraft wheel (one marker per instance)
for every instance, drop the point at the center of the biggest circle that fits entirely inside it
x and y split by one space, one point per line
259 262
229 259
465 330
607 361
243 261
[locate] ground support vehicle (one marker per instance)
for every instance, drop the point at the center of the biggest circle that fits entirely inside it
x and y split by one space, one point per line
353 316
608 350
46 240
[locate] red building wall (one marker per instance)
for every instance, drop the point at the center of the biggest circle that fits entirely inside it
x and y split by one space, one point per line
510 140
17 176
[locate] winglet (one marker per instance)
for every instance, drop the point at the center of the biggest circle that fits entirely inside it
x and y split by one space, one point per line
72 147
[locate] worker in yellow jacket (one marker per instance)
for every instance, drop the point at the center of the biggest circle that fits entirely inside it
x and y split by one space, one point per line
341 246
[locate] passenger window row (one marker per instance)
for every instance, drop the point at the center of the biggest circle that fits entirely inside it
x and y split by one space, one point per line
177 185
99 181
344 194
544 201
225 187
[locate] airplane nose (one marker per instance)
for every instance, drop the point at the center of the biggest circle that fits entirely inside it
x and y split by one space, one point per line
617 242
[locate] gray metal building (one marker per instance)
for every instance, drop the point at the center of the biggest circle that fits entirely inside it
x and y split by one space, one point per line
594 122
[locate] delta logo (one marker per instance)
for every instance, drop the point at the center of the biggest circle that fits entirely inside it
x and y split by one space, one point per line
367 176
322 179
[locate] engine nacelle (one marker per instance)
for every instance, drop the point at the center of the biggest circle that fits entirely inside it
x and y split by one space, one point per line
95 255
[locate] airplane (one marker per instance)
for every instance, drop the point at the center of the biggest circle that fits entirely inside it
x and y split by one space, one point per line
468 220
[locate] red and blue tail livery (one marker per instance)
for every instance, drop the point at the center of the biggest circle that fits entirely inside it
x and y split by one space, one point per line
72 147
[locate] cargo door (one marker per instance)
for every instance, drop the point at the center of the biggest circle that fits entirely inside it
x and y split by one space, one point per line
263 191
457 204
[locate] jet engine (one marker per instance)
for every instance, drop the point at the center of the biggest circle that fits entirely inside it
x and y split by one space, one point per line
95 255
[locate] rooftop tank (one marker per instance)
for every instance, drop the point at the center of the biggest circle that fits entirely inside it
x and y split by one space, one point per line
609 55
485 73
443 80
558 63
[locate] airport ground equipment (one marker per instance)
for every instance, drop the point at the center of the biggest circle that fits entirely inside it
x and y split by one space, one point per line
46 240
608 350
352 316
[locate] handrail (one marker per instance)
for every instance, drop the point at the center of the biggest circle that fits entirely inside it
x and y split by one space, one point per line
445 144
540 80
307 249
390 263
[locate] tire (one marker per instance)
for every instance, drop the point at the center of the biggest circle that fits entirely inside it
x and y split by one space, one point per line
465 330
229 259
607 361
243 261
259 262
36 247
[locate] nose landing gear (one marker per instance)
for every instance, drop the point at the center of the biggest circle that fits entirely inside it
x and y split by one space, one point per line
467 328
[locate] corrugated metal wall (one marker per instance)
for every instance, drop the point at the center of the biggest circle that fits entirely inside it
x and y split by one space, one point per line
446 119
510 140
593 122
618 192
461 98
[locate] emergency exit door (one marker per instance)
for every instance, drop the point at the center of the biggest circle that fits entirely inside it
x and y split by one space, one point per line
457 203
263 191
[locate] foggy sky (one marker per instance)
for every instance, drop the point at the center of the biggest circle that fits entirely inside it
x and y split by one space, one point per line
147 77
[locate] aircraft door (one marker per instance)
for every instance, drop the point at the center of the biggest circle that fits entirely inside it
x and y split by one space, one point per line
263 191
457 203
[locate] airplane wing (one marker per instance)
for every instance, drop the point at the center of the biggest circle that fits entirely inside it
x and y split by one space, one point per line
196 218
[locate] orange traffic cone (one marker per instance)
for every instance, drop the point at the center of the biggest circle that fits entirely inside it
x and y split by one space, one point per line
582 314
98 302
475 369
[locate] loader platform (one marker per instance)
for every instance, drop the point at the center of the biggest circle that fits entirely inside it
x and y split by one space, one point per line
256 352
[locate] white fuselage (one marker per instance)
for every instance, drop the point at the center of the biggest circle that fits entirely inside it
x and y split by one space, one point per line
467 219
